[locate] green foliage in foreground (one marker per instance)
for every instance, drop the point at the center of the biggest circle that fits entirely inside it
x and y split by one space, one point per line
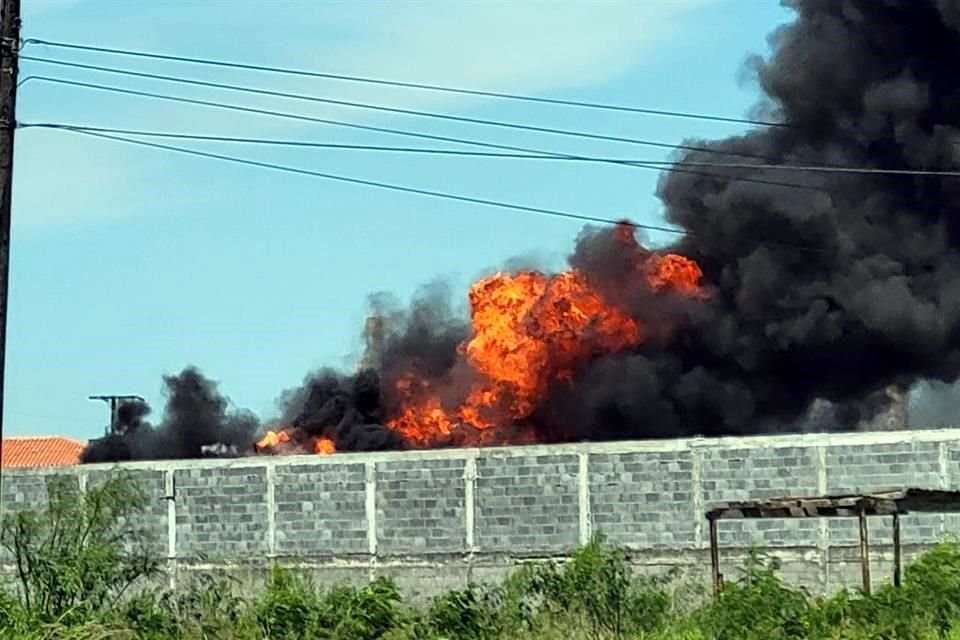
84 573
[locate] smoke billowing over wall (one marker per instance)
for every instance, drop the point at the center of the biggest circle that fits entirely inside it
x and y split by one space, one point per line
795 302
196 416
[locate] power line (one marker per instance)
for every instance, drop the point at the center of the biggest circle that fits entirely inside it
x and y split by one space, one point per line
487 154
377 184
400 132
408 85
558 213
385 109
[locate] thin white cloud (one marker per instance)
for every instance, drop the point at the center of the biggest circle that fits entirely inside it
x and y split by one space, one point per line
523 47
529 47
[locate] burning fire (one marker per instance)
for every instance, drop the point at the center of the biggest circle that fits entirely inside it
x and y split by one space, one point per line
530 333
675 272
273 440
324 446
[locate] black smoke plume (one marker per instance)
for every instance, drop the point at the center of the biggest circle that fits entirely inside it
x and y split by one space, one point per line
870 296
826 288
197 422
345 409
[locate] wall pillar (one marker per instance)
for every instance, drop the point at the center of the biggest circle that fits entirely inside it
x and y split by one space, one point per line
470 503
271 500
583 496
370 508
823 529
169 494
696 482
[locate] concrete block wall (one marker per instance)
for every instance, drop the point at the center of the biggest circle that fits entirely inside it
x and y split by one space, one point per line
438 519
527 503
318 510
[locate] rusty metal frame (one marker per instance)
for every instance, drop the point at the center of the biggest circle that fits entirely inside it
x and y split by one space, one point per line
884 503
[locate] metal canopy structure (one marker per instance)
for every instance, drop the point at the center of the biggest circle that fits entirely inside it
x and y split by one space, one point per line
884 503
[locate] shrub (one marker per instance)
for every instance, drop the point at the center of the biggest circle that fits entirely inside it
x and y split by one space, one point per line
81 553
757 606
596 583
366 613
207 607
473 613
933 583
289 608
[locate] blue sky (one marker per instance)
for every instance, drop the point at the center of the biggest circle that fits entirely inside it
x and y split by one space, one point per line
129 263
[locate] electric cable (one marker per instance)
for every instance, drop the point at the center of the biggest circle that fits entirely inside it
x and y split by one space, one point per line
401 132
408 85
489 154
385 109
413 190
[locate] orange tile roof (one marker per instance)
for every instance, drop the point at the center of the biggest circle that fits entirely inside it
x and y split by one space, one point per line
41 451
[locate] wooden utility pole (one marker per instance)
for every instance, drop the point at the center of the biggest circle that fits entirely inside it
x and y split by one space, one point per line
9 51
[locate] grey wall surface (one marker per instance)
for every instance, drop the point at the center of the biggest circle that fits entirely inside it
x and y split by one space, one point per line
438 519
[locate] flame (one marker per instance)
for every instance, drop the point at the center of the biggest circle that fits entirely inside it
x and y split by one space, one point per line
530 331
422 419
678 273
272 439
324 446
530 334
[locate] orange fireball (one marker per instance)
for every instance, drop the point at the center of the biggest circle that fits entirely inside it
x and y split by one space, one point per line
531 331
677 273
272 439
324 446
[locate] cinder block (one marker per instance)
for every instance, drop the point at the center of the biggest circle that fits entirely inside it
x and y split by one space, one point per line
321 509
151 524
643 500
528 503
755 473
27 489
218 526
878 467
420 506
506 522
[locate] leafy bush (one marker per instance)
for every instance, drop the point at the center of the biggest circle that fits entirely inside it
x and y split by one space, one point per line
933 583
367 613
206 607
757 606
473 613
82 552
289 608
597 584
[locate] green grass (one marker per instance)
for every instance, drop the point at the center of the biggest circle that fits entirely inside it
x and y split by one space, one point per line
83 570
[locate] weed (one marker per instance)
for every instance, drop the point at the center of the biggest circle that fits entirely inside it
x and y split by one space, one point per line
82 552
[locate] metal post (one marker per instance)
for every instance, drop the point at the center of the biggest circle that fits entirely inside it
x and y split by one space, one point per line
9 68
864 549
114 403
113 415
896 550
715 557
